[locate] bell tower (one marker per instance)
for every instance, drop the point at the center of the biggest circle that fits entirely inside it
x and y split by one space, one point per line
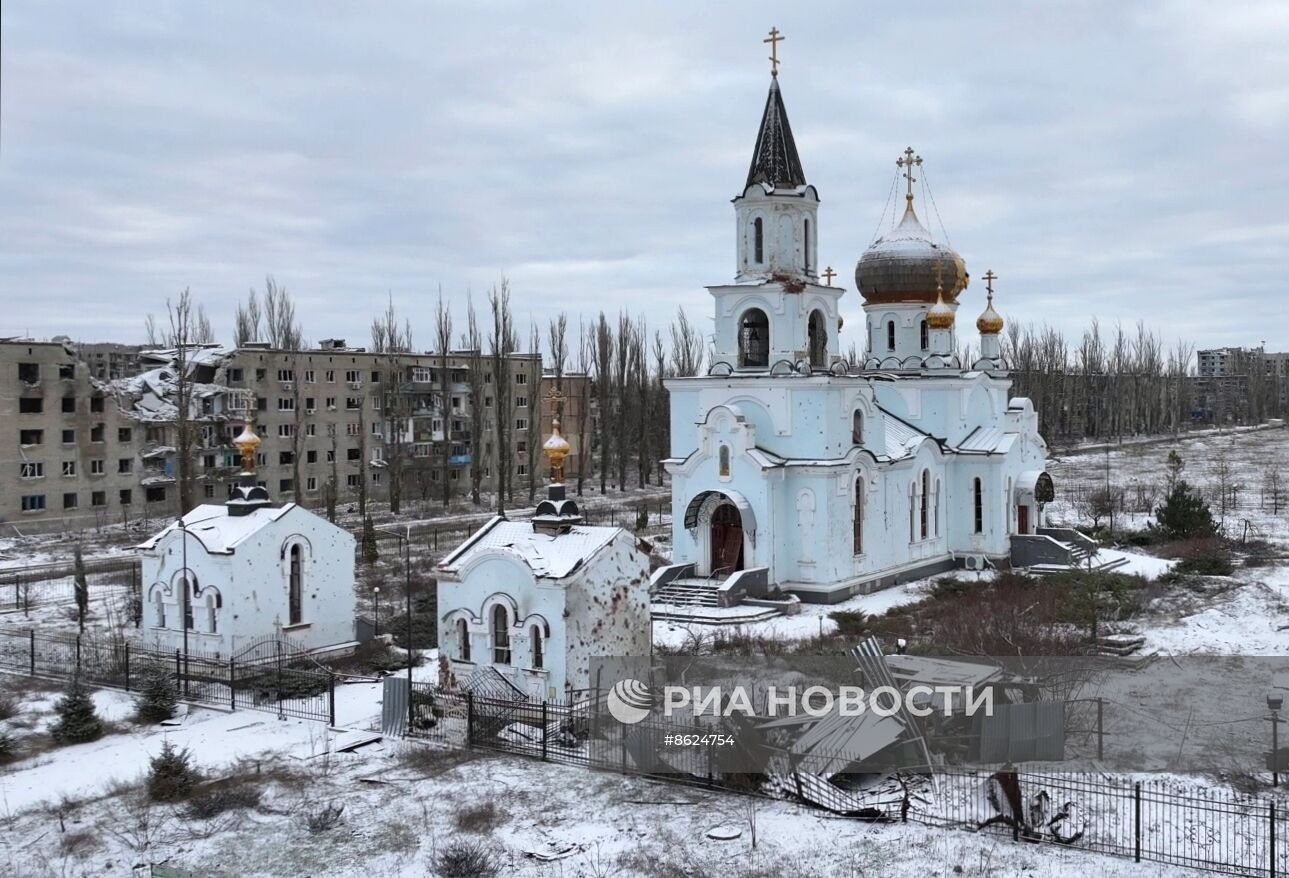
776 314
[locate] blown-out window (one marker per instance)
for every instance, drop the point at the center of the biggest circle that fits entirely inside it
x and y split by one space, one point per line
857 527
536 641
977 499
758 236
463 640
500 636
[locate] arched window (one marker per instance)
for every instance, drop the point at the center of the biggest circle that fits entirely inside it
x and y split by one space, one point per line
190 587
535 639
723 459
500 636
935 512
295 589
754 339
159 609
924 500
857 428
212 612
805 244
817 334
913 504
857 527
463 640
758 233
978 502
890 335
925 335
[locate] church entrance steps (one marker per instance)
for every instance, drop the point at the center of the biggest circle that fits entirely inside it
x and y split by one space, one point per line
689 591
743 614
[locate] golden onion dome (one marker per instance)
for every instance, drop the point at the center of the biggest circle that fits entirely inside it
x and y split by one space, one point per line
990 322
903 266
941 315
248 442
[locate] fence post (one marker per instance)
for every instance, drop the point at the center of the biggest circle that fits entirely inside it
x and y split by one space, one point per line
544 726
232 683
179 680
1273 837
78 655
331 700
1136 821
1100 728
469 716
127 666
31 635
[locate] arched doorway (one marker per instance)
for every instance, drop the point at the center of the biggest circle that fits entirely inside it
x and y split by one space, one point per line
726 539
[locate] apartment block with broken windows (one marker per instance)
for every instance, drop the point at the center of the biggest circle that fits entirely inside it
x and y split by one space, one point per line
72 458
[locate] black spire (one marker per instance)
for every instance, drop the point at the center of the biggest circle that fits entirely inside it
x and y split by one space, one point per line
775 161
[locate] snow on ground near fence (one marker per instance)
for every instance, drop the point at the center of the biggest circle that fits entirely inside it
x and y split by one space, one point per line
215 738
396 814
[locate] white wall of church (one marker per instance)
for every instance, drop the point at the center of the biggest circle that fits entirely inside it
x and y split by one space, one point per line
243 597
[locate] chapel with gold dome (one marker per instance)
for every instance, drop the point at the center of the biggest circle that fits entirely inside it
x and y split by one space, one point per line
799 474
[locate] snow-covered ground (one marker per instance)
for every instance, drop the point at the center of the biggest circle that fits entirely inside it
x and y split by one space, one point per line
78 811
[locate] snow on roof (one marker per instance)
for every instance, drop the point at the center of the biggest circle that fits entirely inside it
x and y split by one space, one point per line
989 440
549 556
217 531
902 439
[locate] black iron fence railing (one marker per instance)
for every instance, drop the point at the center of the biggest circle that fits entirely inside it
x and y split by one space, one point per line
274 684
1155 819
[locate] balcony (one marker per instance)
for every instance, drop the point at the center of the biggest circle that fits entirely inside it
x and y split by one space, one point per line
460 460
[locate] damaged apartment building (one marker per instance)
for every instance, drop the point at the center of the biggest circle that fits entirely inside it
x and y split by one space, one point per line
95 445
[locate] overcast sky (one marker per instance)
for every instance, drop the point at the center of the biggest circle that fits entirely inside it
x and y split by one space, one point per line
1118 159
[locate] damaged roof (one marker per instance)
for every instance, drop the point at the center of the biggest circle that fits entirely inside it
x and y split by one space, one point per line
548 556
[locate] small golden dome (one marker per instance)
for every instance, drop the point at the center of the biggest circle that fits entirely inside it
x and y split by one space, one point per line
990 322
941 315
248 442
556 448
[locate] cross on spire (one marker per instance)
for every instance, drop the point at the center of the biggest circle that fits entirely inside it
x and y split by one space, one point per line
908 163
774 39
556 398
829 274
990 277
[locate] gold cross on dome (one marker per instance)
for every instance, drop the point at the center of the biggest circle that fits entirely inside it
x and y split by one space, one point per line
556 398
990 277
829 274
774 39
908 163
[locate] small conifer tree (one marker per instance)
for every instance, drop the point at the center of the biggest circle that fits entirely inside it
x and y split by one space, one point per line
157 699
171 774
77 721
1184 514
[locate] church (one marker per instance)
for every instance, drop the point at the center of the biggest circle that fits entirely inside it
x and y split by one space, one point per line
797 473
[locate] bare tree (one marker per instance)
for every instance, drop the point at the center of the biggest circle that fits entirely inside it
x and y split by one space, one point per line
584 357
476 377
687 347
443 342
182 317
534 432
246 320
502 343
602 359
202 333
393 338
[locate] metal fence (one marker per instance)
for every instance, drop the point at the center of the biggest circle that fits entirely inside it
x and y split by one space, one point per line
274 684
1156 820
109 579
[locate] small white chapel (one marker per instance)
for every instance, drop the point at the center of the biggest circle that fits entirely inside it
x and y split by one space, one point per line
228 577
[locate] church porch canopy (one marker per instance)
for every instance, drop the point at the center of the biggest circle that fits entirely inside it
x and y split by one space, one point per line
1035 484
746 515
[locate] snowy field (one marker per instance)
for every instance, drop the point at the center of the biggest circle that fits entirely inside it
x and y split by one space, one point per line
83 814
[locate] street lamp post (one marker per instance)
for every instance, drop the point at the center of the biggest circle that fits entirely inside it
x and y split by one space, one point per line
187 608
1275 702
376 590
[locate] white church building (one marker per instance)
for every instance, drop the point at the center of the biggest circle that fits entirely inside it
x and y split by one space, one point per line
794 471
530 604
231 576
